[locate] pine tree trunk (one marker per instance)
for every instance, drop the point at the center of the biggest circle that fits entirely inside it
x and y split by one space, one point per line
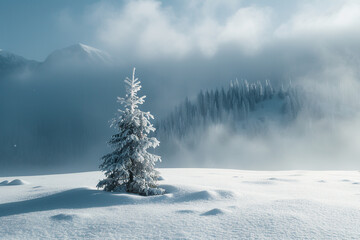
131 177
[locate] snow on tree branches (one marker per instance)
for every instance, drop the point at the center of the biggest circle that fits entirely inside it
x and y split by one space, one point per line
130 167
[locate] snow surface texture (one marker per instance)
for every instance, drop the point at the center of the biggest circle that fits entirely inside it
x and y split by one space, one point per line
199 204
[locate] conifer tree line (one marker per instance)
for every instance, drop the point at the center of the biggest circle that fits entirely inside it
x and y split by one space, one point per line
230 106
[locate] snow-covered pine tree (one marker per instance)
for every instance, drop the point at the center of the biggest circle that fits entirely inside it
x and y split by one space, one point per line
130 166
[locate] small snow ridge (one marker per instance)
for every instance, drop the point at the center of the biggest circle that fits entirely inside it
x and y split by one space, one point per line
4 183
213 212
225 193
13 182
281 179
188 194
272 179
205 195
160 178
62 217
196 196
169 188
17 182
185 211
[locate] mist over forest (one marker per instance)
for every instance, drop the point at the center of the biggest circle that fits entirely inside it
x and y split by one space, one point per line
55 111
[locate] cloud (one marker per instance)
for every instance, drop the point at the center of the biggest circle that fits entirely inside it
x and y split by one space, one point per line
205 44
317 145
245 29
152 30
145 28
317 20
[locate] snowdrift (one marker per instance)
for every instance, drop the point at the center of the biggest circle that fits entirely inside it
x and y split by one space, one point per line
199 204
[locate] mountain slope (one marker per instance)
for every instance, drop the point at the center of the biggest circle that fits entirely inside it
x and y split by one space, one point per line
70 58
78 54
10 63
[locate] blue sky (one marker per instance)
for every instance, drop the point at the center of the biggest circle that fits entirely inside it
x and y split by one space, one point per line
32 28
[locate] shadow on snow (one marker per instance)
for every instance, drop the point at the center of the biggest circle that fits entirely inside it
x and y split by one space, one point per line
70 199
89 198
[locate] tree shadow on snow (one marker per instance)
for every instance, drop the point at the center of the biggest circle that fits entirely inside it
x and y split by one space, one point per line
71 199
89 198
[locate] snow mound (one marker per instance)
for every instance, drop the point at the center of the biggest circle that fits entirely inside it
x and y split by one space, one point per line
213 212
4 183
170 189
80 198
197 196
198 204
13 182
226 193
204 195
77 198
17 182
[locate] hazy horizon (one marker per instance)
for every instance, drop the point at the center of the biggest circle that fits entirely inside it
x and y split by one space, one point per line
58 111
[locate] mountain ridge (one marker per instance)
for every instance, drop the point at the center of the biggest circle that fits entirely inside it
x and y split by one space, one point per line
10 62
78 53
73 56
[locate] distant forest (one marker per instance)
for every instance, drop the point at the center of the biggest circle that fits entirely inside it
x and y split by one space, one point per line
232 106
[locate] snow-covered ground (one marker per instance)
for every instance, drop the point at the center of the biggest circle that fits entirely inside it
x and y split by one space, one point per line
200 204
